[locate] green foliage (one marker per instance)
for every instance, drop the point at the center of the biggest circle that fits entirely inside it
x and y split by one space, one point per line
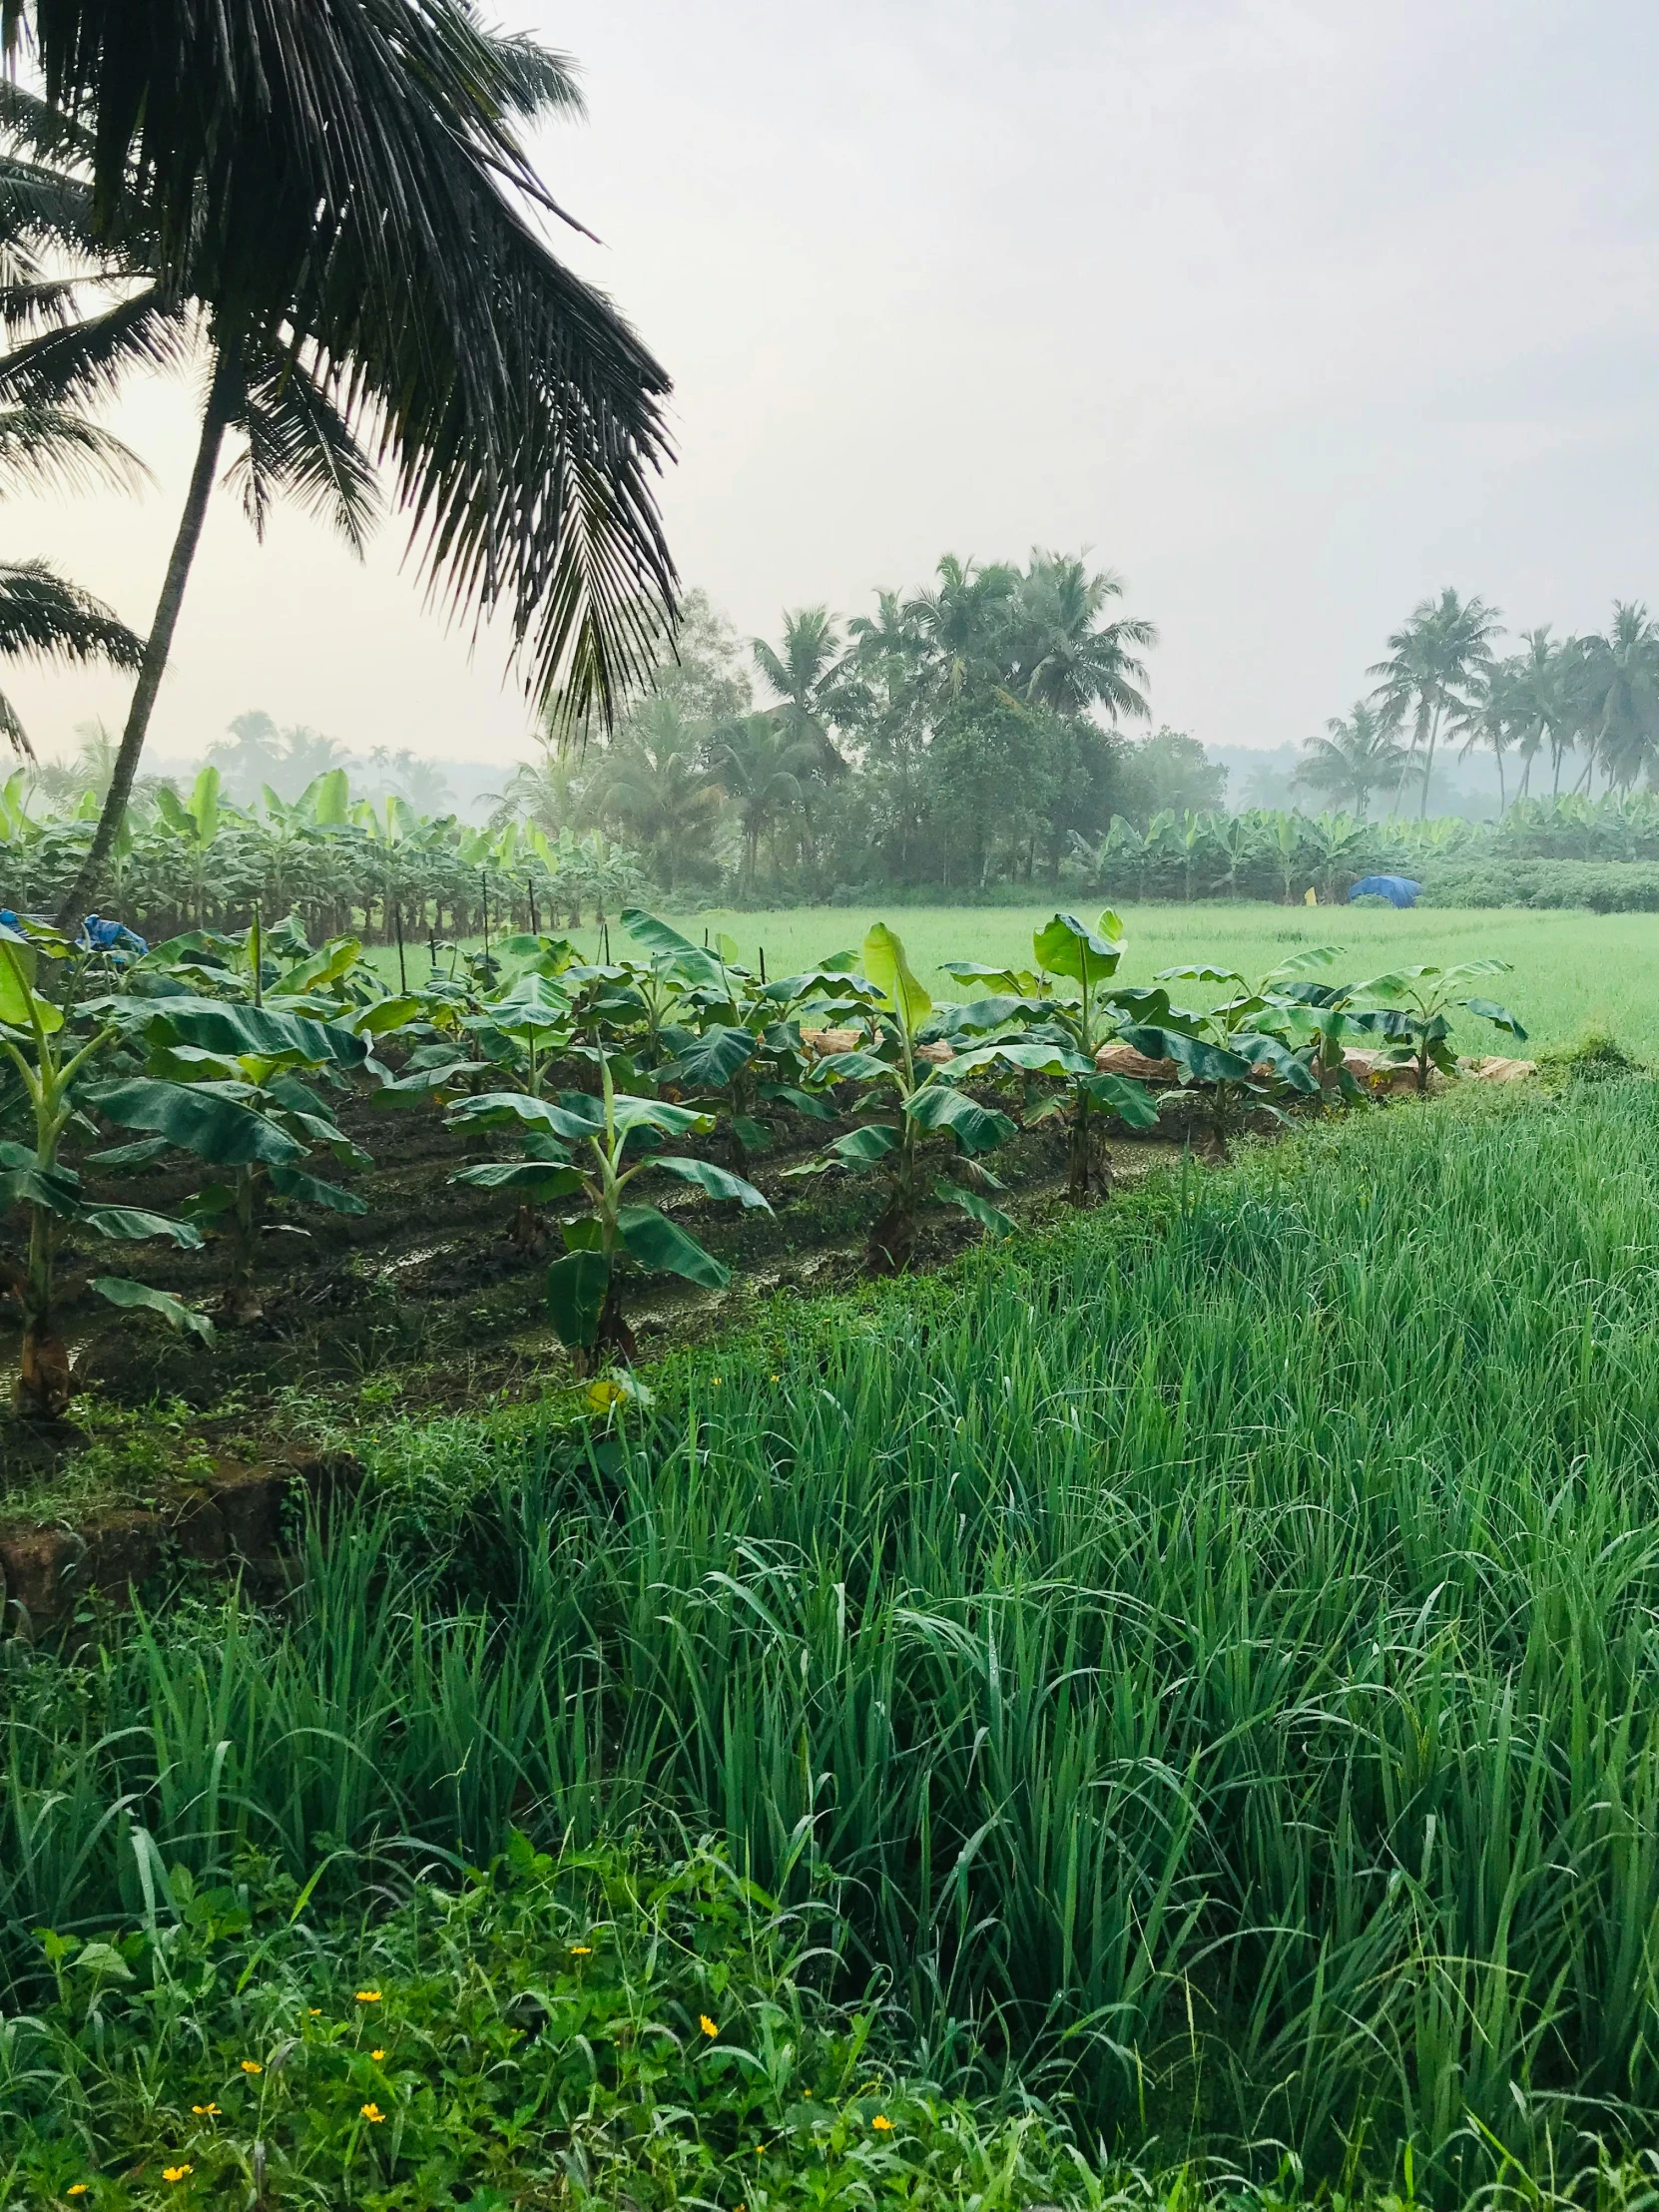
1280 1751
661 2028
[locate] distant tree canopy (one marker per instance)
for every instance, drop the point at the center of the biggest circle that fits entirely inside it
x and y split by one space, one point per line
964 732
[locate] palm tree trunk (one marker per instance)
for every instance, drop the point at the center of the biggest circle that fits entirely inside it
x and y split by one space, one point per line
1428 766
220 404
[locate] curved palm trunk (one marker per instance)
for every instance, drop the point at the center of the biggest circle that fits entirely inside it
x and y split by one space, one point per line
221 405
1428 766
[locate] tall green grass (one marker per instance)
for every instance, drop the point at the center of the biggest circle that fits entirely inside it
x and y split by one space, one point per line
1221 1644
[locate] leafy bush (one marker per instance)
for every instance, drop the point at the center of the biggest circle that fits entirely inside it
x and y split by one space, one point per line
1604 887
594 2026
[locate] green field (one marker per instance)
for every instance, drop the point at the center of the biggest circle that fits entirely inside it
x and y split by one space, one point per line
1573 972
1211 1648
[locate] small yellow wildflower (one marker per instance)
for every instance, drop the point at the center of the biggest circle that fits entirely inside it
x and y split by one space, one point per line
316 2011
204 2111
882 2122
376 2055
176 2173
708 2026
717 1382
369 1997
252 2065
580 1951
79 2189
373 2115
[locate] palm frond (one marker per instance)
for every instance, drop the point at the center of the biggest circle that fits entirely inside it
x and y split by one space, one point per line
44 617
55 449
299 443
84 363
345 172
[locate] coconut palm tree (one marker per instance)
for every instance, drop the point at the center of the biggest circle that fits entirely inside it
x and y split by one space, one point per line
1077 661
764 770
1535 686
962 626
1354 758
657 783
1619 690
1436 663
339 188
802 671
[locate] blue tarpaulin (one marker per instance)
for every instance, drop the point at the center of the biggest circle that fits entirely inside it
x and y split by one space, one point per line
1399 890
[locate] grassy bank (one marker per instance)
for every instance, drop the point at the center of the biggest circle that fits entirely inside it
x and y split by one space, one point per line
1213 1648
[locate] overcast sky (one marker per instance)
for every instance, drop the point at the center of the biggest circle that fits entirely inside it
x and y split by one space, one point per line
1293 313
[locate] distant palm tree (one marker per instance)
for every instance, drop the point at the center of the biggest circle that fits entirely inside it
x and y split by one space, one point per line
962 626
1618 683
546 793
1436 667
763 768
419 780
657 782
801 671
1077 661
1536 693
1353 759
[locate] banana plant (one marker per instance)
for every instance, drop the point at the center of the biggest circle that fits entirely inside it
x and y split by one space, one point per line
51 1061
740 1042
1079 1027
616 1137
1247 1052
908 1099
1417 1004
223 1082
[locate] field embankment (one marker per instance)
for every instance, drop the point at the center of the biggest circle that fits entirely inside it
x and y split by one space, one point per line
1212 1644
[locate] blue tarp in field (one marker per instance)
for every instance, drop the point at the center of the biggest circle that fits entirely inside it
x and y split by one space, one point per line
1399 890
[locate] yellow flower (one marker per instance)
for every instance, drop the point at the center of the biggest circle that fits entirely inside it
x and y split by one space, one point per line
79 2189
373 2115
369 1997
580 1951
377 2054
204 2111
882 2122
252 2065
316 2013
176 2173
717 1382
605 1394
706 2024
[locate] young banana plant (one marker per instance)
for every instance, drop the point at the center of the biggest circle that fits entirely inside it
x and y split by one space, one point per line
223 1082
615 1139
1247 1050
908 1099
740 1044
1417 1004
50 1060
1080 1027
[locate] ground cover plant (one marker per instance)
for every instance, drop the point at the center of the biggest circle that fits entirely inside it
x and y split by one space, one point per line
1211 1646
591 2025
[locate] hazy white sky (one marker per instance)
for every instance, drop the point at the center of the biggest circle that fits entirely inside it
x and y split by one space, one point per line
1293 313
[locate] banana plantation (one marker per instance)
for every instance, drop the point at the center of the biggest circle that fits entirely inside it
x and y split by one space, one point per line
221 1099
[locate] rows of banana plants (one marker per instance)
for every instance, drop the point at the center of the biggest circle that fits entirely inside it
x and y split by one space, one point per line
587 1090
185 859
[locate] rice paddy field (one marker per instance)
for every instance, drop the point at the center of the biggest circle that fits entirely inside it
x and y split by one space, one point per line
1176 1703
1573 972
